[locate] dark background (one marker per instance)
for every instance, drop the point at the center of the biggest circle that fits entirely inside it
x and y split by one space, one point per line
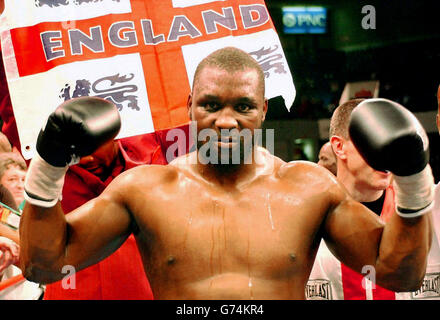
403 53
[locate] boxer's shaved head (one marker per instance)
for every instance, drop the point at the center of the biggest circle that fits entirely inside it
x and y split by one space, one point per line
341 118
232 60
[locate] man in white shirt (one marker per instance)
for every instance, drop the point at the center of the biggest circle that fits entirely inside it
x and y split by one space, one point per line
330 279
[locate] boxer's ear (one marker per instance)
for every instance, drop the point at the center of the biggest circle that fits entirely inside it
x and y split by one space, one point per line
338 144
265 106
188 105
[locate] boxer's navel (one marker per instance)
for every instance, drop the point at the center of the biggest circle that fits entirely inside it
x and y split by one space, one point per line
171 260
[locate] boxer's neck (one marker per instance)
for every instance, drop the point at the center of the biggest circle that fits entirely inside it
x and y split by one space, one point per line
238 175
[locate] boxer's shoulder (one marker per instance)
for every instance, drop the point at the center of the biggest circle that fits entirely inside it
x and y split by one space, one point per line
147 175
184 161
305 170
310 179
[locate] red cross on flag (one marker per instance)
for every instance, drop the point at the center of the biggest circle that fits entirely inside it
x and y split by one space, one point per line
139 54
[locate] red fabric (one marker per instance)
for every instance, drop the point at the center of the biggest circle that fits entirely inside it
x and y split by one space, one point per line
352 286
120 276
352 280
9 128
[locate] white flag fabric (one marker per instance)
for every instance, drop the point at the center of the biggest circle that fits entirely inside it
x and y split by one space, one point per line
360 89
139 54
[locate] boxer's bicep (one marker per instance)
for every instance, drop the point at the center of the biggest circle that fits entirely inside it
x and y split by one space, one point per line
95 230
353 234
50 240
397 250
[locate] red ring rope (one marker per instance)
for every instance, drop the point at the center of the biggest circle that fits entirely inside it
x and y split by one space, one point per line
11 281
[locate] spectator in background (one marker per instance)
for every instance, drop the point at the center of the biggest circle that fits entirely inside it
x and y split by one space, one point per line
370 187
7 200
8 237
327 158
374 189
12 173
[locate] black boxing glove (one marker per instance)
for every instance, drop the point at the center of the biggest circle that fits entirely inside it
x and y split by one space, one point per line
75 129
390 138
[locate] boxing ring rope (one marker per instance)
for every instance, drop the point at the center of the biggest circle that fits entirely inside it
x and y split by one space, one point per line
11 281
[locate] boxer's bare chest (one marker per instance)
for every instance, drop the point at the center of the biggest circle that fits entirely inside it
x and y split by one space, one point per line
263 228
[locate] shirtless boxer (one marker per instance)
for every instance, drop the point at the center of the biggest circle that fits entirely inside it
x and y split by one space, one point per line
214 231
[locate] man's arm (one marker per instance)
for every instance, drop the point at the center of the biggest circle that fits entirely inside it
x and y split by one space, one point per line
397 251
9 233
389 138
51 240
48 239
8 253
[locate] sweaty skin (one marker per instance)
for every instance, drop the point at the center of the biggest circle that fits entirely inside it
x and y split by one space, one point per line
209 231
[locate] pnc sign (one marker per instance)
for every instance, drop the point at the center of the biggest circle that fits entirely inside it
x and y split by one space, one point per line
300 20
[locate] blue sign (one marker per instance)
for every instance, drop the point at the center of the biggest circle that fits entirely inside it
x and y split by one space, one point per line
304 20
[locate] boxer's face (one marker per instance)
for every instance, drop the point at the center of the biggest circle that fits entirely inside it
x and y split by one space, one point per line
366 176
222 101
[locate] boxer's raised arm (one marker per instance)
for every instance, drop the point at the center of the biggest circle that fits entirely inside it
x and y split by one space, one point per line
48 239
51 240
397 251
389 138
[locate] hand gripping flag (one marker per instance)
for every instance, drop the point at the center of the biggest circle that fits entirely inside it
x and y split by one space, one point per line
139 54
